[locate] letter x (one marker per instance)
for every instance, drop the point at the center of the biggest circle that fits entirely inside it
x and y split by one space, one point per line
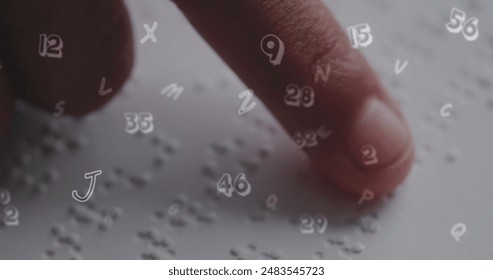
150 33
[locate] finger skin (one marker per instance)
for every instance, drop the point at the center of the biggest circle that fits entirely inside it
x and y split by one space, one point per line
350 103
97 43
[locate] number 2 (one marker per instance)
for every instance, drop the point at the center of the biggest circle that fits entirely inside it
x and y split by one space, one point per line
306 226
311 138
292 95
369 155
11 216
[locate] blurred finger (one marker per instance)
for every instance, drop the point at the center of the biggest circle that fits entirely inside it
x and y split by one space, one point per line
79 52
6 103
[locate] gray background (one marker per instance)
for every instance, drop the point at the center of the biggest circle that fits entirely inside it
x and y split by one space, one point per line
199 136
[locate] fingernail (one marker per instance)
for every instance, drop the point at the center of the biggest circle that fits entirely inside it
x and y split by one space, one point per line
378 137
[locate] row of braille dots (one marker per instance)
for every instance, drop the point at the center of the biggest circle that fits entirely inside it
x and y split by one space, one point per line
160 247
166 149
62 239
251 251
45 143
345 248
82 214
182 212
79 214
365 224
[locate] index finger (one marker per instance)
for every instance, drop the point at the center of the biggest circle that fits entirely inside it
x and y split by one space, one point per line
371 146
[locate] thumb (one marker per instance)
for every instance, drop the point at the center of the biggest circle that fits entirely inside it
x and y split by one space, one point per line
370 146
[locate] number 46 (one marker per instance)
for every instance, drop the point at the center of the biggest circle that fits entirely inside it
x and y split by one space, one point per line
241 185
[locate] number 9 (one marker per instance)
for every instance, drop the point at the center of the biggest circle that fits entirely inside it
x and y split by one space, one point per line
4 197
320 223
273 47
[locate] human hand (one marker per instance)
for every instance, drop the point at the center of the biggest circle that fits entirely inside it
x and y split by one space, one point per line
370 146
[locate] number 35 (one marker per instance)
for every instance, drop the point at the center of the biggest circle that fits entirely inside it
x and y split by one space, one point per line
139 122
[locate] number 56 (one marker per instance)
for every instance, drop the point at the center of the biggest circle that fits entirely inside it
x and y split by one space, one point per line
458 23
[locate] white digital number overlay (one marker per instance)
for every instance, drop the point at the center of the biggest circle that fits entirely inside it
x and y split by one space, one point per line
240 185
11 214
369 155
309 138
459 23
142 122
360 35
50 46
313 224
297 96
273 47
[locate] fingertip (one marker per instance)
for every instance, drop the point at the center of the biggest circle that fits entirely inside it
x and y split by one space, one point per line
376 153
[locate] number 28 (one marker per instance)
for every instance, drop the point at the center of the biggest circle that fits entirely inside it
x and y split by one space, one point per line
296 96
